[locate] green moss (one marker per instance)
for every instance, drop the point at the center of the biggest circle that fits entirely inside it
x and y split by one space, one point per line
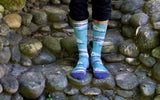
13 5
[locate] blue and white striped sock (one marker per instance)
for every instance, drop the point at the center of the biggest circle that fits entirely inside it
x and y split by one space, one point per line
80 30
99 32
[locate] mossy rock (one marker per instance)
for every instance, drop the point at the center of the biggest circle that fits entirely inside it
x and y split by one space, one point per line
13 5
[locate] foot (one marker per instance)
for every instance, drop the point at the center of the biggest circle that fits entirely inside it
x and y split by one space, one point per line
79 71
100 72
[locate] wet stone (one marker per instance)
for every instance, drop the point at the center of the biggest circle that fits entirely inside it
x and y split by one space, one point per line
113 57
112 24
156 52
152 6
129 48
78 97
107 83
147 39
33 27
25 61
71 91
139 19
147 87
17 70
31 84
155 17
100 97
16 96
128 31
26 18
30 47
5 96
10 84
59 25
45 29
156 72
125 18
108 93
45 57
55 80
58 96
14 39
125 94
116 14
3 70
126 80
39 17
24 31
90 91
156 25
147 60
158 89
5 55
15 54
4 30
132 61
129 6
67 62
83 82
157 97
141 73
119 98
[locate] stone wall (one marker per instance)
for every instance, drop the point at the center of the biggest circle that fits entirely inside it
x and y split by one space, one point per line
38 50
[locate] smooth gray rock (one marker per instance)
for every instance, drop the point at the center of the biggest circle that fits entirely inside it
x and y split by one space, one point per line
71 91
4 30
31 84
52 44
26 18
128 31
156 72
125 94
3 70
100 97
16 96
119 98
58 96
108 93
116 14
78 97
25 61
10 84
39 17
13 39
90 91
141 73
80 83
55 80
156 52
147 60
152 6
107 83
55 14
125 18
30 47
55 2
24 31
33 27
139 19
113 57
15 54
118 4
17 70
132 61
45 57
126 80
148 87
147 39
129 48
112 40
129 6
158 89
5 96
5 55
155 17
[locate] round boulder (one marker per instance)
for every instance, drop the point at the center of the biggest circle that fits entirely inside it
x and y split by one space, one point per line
13 20
5 55
156 72
4 30
147 39
31 84
30 47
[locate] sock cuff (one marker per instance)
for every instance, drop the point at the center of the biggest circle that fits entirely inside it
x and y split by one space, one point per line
99 26
80 22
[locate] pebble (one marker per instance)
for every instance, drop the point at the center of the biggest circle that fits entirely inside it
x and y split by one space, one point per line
5 55
90 91
113 57
132 61
125 94
25 61
71 91
4 30
1 9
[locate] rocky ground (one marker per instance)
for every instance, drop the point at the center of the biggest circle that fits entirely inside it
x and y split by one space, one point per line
38 50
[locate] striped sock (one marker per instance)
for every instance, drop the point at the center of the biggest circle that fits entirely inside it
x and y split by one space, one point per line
99 70
80 30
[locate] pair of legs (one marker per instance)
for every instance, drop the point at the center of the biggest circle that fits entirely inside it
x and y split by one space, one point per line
101 13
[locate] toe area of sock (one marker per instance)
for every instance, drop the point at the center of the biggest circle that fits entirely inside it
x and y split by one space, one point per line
79 76
101 75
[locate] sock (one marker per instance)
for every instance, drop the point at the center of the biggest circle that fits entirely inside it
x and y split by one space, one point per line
80 30
99 32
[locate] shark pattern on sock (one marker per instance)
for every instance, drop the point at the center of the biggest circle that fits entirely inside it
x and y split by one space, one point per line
99 32
80 30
